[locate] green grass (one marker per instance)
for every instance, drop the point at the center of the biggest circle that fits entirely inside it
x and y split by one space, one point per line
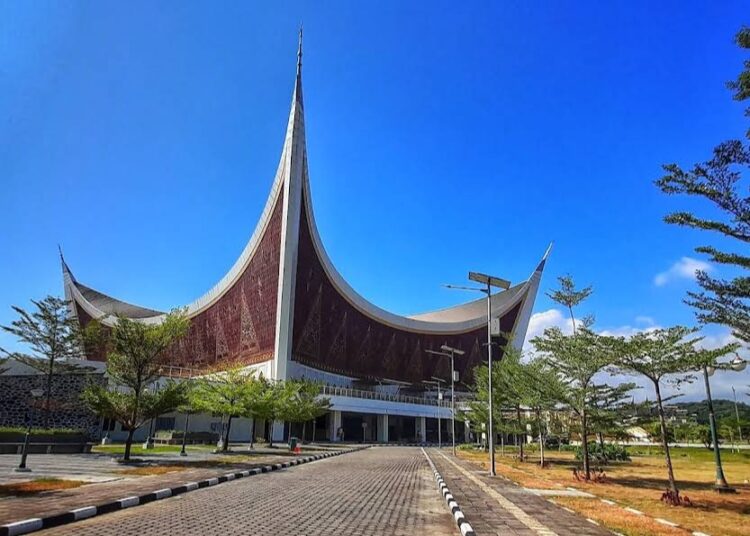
137 449
22 430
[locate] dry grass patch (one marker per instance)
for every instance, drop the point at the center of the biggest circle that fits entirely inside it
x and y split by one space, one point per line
36 486
640 483
617 519
152 470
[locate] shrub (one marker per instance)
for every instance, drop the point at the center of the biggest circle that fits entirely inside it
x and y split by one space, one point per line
603 455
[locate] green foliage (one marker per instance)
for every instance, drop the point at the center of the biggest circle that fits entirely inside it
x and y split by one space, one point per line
51 334
40 431
576 359
135 351
717 181
602 455
568 296
723 409
662 354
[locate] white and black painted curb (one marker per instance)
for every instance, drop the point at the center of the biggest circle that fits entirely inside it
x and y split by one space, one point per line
38 523
458 515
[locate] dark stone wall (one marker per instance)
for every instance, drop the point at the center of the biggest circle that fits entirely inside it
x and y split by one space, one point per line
66 409
331 334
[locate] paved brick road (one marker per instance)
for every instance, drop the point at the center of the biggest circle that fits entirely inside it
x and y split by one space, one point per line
495 506
372 492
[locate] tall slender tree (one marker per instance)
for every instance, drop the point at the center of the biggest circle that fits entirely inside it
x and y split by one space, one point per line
719 181
51 334
666 355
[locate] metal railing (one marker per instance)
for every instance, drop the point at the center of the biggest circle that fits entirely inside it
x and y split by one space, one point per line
333 390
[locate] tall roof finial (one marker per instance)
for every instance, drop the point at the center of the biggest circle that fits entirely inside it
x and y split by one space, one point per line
299 52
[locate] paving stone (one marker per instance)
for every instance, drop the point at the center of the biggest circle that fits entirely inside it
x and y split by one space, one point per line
487 516
372 492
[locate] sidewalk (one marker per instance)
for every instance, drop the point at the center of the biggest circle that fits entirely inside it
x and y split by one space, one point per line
496 506
108 483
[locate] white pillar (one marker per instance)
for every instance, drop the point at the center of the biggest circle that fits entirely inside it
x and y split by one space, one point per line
383 428
422 432
335 424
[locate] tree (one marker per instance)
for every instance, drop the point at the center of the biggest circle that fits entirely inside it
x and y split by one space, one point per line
568 296
665 355
577 358
302 402
717 180
52 335
227 392
134 353
504 395
540 390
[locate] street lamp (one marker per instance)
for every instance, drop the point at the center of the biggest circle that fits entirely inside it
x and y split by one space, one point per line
490 282
436 382
35 394
738 365
449 351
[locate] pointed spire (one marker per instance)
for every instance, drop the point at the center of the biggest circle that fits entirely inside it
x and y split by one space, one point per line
65 269
298 82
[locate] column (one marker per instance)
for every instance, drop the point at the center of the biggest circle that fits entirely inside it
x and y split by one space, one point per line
383 428
422 432
335 424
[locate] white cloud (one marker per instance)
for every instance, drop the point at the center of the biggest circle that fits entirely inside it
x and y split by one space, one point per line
685 268
721 381
546 319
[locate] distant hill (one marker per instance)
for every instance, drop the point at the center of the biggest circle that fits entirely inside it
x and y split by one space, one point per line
724 409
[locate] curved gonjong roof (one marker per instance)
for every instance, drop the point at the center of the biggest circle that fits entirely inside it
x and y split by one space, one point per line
287 181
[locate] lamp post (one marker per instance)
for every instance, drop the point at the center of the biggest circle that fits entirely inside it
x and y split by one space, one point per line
449 351
35 394
490 282
436 382
183 452
737 364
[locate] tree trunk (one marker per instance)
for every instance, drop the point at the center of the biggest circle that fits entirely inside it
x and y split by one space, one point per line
601 440
664 442
315 422
129 443
269 423
522 439
48 391
225 448
585 445
304 429
252 434
541 439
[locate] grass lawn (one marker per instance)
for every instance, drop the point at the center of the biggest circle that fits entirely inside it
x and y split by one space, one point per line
138 450
36 486
639 484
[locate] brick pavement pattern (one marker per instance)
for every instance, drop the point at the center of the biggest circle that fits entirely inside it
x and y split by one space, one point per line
488 516
371 492
47 504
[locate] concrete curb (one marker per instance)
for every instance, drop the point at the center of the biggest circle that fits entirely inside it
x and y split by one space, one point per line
458 515
26 526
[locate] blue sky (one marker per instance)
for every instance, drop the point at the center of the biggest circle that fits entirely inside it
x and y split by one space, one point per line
143 138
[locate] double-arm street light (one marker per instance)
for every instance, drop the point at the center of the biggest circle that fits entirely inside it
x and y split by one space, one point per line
489 282
449 351
738 365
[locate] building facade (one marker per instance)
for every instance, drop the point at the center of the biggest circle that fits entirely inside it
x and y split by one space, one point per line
284 310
